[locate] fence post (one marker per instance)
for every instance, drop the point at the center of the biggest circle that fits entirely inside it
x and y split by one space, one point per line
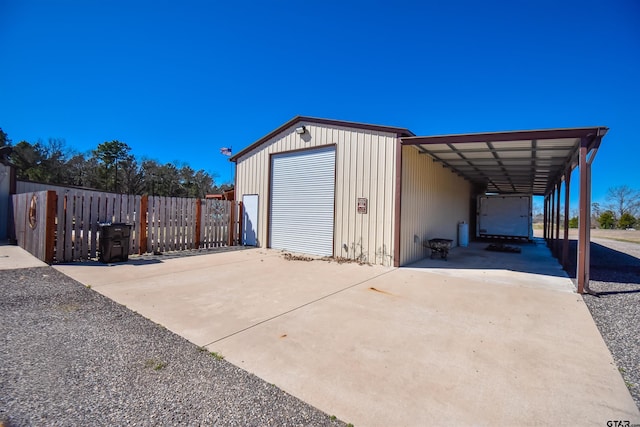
50 233
198 223
144 214
237 240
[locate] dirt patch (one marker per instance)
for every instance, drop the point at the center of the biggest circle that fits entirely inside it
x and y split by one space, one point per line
343 260
340 260
291 257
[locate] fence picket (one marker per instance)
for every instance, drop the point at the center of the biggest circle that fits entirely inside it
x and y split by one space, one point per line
186 228
171 208
210 230
178 223
79 242
68 221
191 210
153 243
214 224
134 208
189 219
93 222
175 211
151 224
117 208
86 224
165 223
208 223
59 255
159 212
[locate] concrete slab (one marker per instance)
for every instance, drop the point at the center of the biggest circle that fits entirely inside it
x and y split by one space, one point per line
208 297
12 257
380 346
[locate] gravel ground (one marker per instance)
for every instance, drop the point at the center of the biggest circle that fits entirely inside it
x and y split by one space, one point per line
615 307
70 356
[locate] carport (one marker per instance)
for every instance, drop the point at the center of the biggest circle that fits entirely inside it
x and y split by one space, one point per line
533 162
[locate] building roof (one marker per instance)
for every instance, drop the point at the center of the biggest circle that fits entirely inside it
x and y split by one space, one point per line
390 129
528 162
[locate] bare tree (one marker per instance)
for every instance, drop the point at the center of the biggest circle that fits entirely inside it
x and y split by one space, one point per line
623 200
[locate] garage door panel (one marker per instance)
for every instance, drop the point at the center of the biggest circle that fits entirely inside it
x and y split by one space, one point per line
302 201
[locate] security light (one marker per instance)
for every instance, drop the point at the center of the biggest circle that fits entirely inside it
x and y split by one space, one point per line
300 130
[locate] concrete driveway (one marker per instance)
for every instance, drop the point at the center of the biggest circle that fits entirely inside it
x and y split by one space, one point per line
377 346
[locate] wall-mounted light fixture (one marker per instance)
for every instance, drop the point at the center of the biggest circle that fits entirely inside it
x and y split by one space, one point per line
300 130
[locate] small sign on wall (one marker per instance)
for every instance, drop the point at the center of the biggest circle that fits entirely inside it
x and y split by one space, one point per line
362 205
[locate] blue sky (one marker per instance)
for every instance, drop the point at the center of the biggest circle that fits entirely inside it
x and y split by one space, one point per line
179 80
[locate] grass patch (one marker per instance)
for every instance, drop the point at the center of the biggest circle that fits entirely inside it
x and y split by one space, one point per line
213 354
69 308
155 364
216 356
618 239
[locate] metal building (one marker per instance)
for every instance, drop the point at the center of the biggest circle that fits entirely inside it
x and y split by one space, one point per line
328 187
377 193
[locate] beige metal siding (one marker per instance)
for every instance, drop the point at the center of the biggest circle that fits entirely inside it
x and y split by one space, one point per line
434 201
364 168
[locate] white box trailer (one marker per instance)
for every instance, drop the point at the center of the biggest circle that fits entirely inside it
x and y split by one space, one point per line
508 215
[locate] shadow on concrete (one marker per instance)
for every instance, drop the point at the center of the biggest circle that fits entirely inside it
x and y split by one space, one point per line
534 257
155 258
96 263
607 264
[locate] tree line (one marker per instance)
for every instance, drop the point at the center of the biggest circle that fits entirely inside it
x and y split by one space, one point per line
621 209
108 167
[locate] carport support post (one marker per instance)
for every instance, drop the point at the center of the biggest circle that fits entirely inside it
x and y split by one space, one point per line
565 242
582 271
552 211
545 221
556 243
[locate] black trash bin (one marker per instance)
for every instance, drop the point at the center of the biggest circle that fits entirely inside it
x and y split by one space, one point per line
114 242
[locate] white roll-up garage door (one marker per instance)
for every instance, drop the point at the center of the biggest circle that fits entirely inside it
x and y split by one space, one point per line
302 201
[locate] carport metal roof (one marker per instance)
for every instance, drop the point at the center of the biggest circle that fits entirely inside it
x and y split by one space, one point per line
528 162
531 162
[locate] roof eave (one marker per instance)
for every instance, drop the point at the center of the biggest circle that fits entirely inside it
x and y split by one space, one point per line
507 136
400 132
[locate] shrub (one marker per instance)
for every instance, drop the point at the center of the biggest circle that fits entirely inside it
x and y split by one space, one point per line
607 220
626 221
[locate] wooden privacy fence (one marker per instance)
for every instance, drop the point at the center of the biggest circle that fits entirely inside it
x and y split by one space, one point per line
175 224
68 223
